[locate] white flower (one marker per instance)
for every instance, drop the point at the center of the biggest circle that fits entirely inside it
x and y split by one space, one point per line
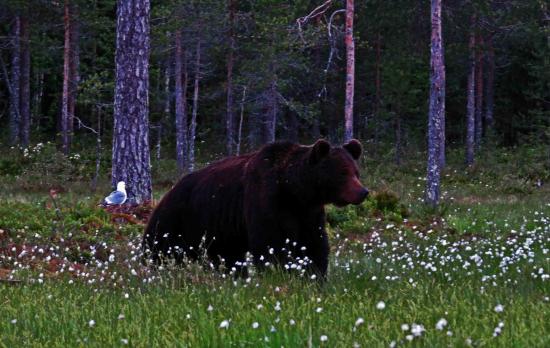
324 338
124 340
14 321
405 327
417 330
255 325
292 322
499 308
319 309
91 323
210 308
224 324
359 321
380 305
121 316
441 324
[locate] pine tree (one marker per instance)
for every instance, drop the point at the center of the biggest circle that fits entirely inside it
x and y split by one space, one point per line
131 159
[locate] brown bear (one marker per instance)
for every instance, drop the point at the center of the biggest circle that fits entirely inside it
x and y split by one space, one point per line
269 203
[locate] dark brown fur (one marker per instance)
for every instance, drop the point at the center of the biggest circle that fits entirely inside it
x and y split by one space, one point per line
256 202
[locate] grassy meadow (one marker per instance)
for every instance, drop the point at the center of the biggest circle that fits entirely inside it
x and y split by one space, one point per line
473 272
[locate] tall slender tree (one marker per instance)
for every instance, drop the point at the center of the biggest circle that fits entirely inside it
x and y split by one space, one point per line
180 77
350 71
65 95
436 115
470 104
479 90
131 158
489 86
230 115
74 65
25 88
193 124
14 82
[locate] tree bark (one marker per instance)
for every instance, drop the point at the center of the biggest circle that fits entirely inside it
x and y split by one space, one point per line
436 115
490 86
73 69
131 158
272 111
377 84
15 82
180 72
25 91
65 109
479 91
398 139
350 71
230 117
193 125
240 130
37 101
470 107
166 114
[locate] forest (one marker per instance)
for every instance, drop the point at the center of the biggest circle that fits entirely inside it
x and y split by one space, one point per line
450 100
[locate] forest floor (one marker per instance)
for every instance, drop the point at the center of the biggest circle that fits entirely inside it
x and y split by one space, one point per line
474 272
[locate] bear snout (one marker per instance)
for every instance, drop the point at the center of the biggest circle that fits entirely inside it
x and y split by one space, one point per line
355 193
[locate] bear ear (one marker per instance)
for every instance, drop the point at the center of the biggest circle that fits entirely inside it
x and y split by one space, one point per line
320 149
354 148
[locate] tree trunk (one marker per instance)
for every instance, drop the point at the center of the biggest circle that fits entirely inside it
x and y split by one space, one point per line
437 106
193 125
479 91
230 117
37 101
97 150
377 84
490 87
470 107
131 159
25 91
73 69
15 82
350 71
272 111
398 139
65 109
166 115
240 131
180 72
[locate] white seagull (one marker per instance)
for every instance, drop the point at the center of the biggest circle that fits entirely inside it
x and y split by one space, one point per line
117 197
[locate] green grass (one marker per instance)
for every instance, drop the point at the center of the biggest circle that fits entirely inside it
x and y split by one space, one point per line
66 263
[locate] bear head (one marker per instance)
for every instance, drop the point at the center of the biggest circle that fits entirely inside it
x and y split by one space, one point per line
337 173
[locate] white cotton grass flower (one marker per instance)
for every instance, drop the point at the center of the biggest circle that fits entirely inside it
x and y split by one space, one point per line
405 327
417 329
359 321
440 325
124 341
224 324
255 325
91 323
324 338
499 308
380 305
210 308
14 321
318 309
